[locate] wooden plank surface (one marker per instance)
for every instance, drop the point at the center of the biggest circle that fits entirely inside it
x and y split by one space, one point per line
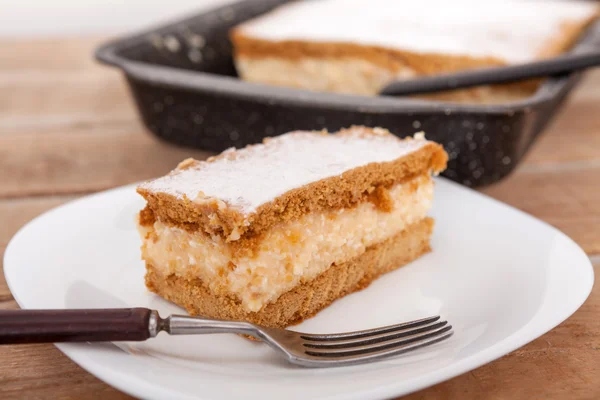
84 159
564 198
43 372
69 127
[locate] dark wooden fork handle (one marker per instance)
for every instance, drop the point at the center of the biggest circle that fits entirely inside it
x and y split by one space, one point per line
52 326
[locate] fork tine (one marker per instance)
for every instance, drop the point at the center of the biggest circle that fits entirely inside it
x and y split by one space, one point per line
375 339
389 347
371 332
318 361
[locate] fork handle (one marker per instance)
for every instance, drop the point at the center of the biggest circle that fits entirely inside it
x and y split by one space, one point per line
53 326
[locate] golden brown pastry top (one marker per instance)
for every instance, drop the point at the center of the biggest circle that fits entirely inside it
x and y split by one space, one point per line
241 193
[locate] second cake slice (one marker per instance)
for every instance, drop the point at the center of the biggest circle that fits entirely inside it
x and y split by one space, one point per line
275 232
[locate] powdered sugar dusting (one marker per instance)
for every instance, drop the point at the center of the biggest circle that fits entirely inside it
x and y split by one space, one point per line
512 30
255 175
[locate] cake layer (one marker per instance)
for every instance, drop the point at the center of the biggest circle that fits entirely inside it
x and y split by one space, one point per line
243 193
321 74
508 31
357 47
360 76
289 253
306 299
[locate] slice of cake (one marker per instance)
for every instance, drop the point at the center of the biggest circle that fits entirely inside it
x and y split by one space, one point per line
275 232
358 46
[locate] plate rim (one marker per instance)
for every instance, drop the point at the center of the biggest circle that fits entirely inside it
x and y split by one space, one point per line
139 387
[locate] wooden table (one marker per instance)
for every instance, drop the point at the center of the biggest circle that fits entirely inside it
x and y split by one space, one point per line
68 128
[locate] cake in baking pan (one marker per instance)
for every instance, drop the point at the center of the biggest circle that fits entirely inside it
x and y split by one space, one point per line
358 47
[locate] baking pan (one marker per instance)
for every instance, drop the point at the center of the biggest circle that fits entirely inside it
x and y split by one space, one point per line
184 83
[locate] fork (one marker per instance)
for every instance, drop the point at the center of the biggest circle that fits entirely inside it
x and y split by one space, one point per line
139 324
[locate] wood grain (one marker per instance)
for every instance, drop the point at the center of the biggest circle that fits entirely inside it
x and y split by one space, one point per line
49 55
43 372
37 99
69 127
564 198
82 159
573 135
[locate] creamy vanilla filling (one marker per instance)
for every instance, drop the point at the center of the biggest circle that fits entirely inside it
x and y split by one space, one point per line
288 254
326 74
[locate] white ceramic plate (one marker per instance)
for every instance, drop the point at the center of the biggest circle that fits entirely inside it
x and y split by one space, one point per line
501 277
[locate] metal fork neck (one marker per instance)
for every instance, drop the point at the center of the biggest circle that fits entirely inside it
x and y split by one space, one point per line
185 325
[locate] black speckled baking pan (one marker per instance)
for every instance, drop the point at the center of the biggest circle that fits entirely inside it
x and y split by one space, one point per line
184 82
